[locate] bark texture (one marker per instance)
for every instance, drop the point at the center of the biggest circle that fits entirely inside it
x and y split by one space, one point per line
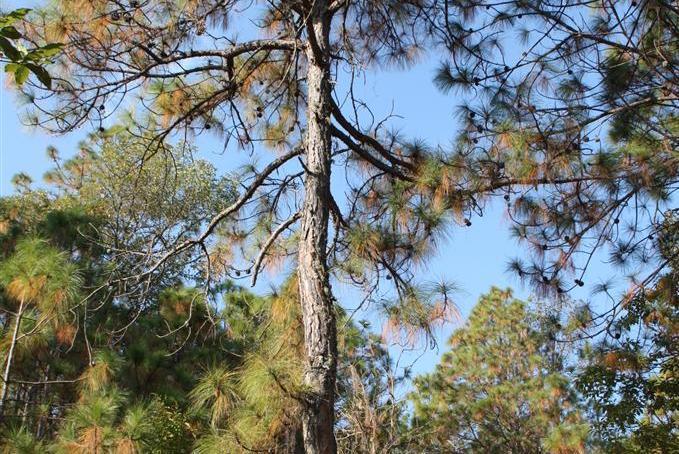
314 287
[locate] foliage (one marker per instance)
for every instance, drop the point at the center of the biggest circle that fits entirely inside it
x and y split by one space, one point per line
19 60
184 375
172 429
631 378
146 199
83 370
371 414
602 134
41 275
496 391
573 124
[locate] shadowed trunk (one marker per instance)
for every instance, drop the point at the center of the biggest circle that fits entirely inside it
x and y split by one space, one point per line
315 294
10 356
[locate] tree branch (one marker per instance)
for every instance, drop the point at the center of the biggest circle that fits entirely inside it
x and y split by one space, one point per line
262 253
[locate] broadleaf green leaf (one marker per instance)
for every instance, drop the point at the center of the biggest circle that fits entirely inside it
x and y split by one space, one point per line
9 49
10 32
21 74
41 73
13 16
44 53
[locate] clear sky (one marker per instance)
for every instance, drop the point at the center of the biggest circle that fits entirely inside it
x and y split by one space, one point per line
475 258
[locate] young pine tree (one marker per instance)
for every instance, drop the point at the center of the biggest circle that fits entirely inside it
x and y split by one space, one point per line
35 276
496 391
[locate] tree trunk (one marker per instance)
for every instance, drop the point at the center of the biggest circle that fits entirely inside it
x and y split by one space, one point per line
42 420
10 356
27 402
314 287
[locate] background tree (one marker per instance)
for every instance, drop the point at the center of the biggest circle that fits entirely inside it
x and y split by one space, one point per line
74 220
40 277
631 378
372 411
141 202
496 390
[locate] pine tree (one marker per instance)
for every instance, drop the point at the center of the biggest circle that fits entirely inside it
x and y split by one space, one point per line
276 89
528 135
495 390
585 99
39 276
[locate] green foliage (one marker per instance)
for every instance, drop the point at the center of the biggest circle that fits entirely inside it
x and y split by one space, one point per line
20 440
19 60
117 176
631 377
55 253
106 421
254 405
148 391
172 430
215 390
40 275
496 391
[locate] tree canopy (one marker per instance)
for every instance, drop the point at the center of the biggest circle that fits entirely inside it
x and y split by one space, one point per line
498 389
120 278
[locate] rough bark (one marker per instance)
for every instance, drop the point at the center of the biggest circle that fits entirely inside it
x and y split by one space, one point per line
10 357
314 287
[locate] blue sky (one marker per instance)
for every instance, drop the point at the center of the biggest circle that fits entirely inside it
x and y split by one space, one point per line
474 258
